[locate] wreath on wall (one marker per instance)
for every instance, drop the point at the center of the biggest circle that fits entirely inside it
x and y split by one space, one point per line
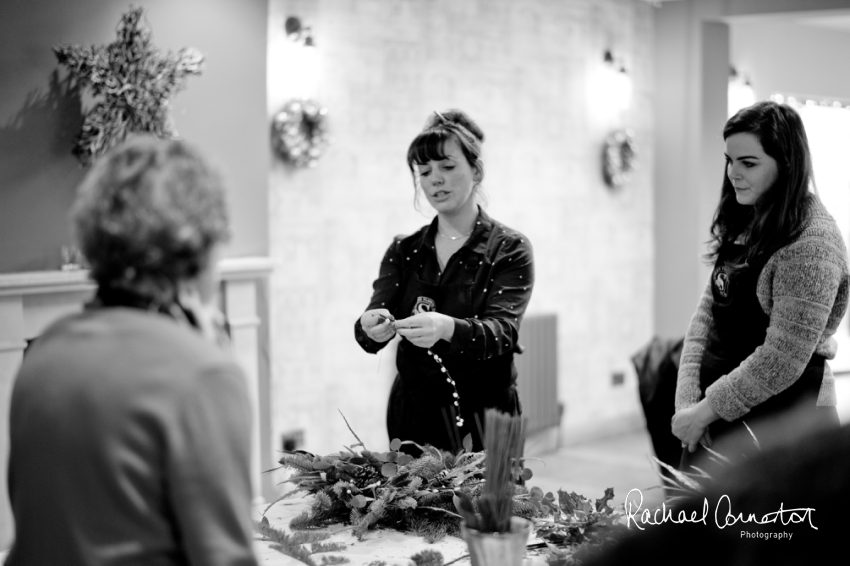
619 157
300 132
130 83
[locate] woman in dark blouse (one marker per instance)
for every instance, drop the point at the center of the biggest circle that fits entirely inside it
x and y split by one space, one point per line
455 291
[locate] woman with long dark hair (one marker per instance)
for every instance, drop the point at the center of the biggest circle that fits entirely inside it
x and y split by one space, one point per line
756 350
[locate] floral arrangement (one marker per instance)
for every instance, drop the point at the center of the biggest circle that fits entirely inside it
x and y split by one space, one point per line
420 495
299 132
618 158
130 83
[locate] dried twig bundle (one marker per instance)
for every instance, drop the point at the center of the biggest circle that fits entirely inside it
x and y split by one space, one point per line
503 444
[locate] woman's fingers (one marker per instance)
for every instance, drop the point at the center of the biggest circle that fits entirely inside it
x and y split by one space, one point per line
375 317
417 336
380 335
378 324
408 331
408 323
420 329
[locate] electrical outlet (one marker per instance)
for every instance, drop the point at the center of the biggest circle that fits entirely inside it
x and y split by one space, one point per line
618 378
292 440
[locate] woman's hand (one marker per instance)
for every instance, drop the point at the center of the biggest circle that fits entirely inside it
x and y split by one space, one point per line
426 329
691 425
378 324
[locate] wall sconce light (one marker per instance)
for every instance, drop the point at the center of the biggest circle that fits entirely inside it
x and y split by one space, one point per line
614 90
740 93
302 64
297 32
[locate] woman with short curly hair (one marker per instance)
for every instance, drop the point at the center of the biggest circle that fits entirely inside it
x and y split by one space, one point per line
148 218
130 425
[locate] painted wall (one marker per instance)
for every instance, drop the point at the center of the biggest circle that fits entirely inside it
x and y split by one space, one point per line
784 57
522 70
695 42
222 111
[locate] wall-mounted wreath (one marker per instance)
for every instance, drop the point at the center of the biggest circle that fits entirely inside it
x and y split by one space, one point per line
300 133
619 157
130 83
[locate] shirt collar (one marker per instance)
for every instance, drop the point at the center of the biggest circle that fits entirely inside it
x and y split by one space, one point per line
479 237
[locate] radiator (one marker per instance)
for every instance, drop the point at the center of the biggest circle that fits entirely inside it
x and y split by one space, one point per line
537 369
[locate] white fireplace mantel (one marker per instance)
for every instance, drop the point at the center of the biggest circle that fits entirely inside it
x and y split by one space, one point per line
30 301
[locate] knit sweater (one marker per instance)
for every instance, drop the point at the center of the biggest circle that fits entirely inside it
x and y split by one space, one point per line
803 289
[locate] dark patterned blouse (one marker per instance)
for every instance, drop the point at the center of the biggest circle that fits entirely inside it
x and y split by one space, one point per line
485 287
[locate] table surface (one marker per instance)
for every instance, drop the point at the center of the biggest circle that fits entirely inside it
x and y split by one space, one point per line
378 544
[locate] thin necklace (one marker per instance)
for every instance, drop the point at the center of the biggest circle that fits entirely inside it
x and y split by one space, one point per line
453 238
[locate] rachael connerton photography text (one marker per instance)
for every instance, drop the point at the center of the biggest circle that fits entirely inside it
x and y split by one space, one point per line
724 515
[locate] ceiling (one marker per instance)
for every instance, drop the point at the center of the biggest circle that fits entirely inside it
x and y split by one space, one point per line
834 22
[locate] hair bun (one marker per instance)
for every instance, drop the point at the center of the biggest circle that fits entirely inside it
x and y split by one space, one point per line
458 117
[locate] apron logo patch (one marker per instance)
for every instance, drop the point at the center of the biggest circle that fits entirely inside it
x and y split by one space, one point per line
721 281
424 304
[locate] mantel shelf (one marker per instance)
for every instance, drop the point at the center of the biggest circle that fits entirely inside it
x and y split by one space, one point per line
41 282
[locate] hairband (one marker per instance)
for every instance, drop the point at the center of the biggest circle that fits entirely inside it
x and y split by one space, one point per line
457 127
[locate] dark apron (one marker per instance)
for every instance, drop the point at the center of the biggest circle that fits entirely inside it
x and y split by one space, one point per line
740 326
421 406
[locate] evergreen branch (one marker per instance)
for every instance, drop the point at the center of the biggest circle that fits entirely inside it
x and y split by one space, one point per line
427 558
328 547
309 537
284 543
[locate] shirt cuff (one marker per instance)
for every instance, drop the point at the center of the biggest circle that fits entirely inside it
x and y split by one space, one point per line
461 337
369 345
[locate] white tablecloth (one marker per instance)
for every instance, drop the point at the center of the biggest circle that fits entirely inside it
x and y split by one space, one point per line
387 545
390 546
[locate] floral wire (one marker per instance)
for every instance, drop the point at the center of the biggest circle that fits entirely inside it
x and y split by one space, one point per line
449 380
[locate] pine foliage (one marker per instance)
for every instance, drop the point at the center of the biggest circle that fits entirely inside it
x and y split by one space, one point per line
427 558
292 545
327 547
426 467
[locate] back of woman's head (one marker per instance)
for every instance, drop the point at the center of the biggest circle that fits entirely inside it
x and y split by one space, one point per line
440 128
778 214
148 214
